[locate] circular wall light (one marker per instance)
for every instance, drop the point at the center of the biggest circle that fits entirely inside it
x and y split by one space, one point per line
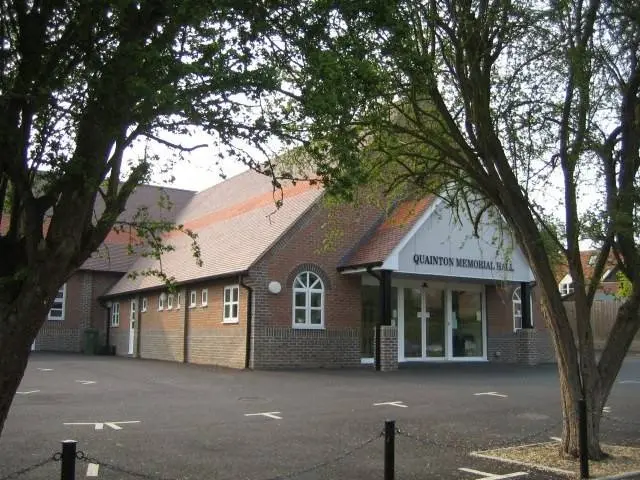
274 287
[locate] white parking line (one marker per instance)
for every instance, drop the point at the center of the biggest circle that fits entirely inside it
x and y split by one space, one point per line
28 392
46 369
274 415
493 394
92 470
493 476
85 382
629 381
100 425
397 403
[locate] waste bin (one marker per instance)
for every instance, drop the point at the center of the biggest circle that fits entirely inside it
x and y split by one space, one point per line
91 336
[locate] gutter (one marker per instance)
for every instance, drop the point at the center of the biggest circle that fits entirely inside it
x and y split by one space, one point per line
367 266
247 358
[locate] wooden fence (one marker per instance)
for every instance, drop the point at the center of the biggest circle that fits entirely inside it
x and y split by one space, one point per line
603 316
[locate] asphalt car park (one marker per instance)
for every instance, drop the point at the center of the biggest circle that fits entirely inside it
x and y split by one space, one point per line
160 420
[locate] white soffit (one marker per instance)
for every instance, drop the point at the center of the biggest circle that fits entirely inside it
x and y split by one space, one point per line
442 244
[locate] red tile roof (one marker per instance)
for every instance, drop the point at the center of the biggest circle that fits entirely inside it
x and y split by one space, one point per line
585 259
375 248
236 222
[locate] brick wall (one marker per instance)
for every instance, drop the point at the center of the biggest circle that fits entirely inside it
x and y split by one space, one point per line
82 310
317 242
161 332
527 346
210 340
66 335
388 348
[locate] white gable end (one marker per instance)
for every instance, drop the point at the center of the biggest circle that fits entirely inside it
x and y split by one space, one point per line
443 244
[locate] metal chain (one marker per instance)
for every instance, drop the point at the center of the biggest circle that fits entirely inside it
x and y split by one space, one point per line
80 455
18 473
336 459
429 442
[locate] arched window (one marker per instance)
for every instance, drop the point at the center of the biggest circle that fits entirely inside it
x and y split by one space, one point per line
308 301
516 301
517 309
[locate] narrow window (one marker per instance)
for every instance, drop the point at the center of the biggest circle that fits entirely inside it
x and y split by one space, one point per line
516 301
178 300
144 304
57 308
204 299
170 302
193 299
230 299
161 302
308 301
115 315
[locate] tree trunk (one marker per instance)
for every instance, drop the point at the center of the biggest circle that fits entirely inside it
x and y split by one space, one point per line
17 333
570 445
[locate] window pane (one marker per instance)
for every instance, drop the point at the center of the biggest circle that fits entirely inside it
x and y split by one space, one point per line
227 310
235 294
301 299
517 321
299 283
316 317
314 281
227 295
316 299
300 315
55 312
56 304
234 310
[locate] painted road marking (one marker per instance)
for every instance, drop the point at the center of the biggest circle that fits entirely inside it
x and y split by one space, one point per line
46 369
556 439
493 394
100 425
28 392
85 382
92 470
493 476
630 381
274 415
399 403
606 410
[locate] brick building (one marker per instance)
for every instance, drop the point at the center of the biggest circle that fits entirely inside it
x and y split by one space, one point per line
77 305
314 284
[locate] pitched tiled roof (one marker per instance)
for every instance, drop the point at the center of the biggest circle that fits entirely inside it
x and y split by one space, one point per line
236 222
161 203
377 246
587 259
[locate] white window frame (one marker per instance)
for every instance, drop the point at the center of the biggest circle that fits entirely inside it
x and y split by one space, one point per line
516 298
63 309
161 302
178 300
115 314
170 301
231 303
307 290
204 297
145 303
193 299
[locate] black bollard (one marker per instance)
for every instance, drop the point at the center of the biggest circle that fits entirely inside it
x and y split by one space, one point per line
583 438
68 469
389 449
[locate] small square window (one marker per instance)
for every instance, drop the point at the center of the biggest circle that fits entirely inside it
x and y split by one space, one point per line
204 299
144 304
193 299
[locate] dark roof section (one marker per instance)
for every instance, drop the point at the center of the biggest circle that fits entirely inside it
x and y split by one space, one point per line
162 203
375 248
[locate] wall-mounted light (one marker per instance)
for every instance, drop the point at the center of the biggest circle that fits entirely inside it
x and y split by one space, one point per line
274 287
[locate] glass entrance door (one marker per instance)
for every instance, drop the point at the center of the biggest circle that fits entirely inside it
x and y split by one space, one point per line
424 324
